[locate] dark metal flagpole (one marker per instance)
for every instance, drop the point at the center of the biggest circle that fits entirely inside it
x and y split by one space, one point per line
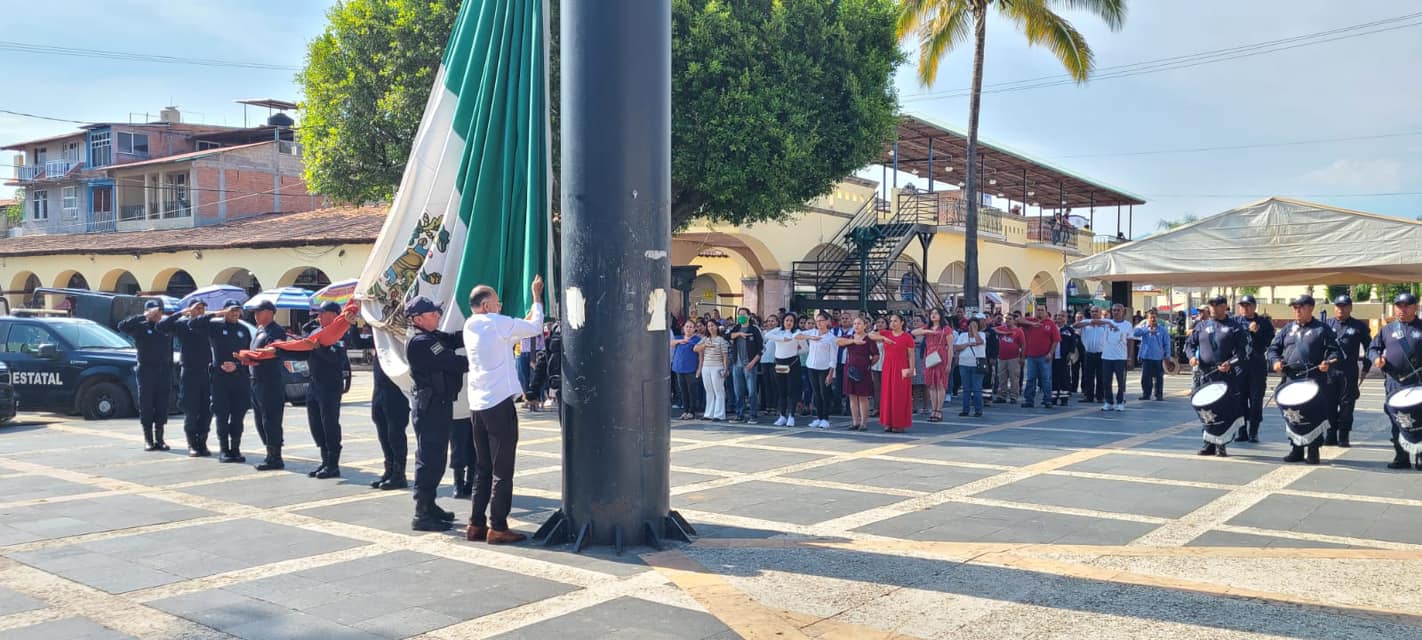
616 189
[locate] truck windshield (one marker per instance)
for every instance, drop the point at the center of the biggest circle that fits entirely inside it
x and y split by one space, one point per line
89 335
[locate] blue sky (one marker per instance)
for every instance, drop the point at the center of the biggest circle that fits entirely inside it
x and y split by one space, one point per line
1357 87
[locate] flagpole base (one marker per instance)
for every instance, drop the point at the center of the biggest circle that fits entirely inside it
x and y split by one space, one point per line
559 529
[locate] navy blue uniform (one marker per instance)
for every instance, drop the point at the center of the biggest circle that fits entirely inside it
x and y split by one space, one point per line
195 381
269 388
1353 339
1256 368
390 411
323 399
1213 343
231 391
438 374
155 372
1400 346
1301 348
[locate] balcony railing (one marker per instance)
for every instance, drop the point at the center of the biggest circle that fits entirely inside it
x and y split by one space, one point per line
101 221
25 173
167 210
1102 243
176 209
1049 231
131 212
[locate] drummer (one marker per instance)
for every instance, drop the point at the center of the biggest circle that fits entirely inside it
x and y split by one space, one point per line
1218 345
1397 352
1353 338
1303 350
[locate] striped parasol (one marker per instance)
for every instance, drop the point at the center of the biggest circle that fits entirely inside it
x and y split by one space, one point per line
283 298
337 292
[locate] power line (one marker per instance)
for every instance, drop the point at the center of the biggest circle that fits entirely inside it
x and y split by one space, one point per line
1193 60
1298 195
1261 145
129 56
39 117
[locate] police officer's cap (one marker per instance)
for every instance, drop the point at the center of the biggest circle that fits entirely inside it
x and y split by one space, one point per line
266 305
1405 298
1303 300
332 307
420 305
1218 300
1343 300
193 302
152 304
231 303
1248 299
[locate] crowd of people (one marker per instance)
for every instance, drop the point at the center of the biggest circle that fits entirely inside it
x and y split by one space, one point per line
786 366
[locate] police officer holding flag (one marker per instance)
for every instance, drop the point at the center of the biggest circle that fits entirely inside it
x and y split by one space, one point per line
438 373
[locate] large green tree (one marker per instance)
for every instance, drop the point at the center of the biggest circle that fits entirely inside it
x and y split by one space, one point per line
939 26
773 101
365 85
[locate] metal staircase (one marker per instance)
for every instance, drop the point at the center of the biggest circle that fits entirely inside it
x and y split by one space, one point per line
860 269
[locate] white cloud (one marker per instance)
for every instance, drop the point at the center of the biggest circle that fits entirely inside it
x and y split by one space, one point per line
1361 174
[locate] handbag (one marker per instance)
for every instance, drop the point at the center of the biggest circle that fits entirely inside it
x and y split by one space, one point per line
855 374
933 360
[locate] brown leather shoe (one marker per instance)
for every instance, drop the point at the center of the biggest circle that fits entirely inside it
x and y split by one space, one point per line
475 532
494 536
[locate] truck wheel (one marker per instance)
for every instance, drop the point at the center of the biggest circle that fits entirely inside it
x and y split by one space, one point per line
104 401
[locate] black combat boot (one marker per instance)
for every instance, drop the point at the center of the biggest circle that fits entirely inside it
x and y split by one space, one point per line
1208 450
1312 456
1254 432
1296 454
148 443
1343 440
273 461
1331 438
463 488
194 450
333 465
427 518
396 479
1220 451
375 484
314 472
1400 458
158 438
202 450
222 448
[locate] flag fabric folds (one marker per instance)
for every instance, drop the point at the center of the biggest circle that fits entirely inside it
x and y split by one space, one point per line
473 204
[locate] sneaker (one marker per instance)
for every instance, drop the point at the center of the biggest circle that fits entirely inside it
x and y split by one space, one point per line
751 421
1106 406
789 421
780 422
824 424
1121 407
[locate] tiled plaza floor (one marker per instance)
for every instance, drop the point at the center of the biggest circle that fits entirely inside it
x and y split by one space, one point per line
1028 523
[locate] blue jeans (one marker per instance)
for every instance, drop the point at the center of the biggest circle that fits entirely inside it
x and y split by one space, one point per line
1039 376
524 364
972 388
745 385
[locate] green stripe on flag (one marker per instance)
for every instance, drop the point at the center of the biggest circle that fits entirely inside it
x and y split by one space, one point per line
495 66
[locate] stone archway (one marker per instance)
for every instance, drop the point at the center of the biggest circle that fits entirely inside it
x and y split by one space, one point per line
1044 289
71 279
309 278
22 288
120 281
174 282
239 277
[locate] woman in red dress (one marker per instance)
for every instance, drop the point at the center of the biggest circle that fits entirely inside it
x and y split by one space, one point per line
937 337
896 403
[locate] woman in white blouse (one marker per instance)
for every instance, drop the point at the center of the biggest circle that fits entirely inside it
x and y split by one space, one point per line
821 363
787 340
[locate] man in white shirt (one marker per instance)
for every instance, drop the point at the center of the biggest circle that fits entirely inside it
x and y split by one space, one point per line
1092 341
1113 357
493 384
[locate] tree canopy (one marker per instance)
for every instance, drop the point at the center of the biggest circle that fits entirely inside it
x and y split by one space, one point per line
773 101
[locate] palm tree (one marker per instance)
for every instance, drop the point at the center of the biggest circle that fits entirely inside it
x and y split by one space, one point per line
1171 224
941 25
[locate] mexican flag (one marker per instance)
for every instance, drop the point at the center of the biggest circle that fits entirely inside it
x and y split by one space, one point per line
473 205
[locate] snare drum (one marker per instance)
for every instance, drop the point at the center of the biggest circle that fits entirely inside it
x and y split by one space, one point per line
1404 407
1305 408
1218 408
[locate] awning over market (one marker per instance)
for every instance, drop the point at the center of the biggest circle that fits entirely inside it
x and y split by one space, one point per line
1276 241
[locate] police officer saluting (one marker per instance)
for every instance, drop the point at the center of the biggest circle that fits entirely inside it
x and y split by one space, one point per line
1260 333
323 394
1353 339
438 372
268 388
1305 349
1217 345
195 381
1397 352
231 389
155 371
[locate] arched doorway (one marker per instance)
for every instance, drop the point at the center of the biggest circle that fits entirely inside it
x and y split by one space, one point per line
706 290
178 283
1045 291
240 277
22 288
309 278
120 281
71 279
1005 284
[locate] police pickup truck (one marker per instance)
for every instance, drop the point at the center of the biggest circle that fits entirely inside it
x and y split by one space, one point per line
69 365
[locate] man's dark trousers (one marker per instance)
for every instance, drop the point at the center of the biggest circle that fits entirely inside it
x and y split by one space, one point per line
268 408
195 393
432 423
495 440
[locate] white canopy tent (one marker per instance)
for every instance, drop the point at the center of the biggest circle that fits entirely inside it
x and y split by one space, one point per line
1272 242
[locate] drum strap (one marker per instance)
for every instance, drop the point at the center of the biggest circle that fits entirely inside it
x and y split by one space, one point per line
1407 346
